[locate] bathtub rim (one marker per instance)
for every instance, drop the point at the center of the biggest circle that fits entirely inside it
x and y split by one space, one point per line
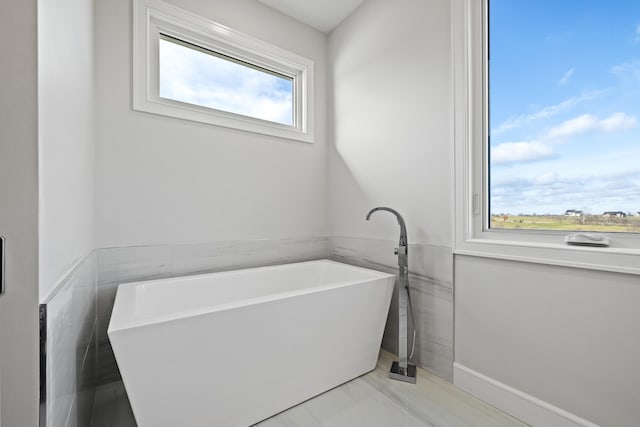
127 321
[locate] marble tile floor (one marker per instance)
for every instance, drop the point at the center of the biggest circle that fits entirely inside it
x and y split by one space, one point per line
370 400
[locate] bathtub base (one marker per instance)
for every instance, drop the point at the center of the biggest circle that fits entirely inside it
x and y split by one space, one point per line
397 374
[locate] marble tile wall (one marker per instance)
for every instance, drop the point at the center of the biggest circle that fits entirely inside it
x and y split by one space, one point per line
70 360
431 280
127 264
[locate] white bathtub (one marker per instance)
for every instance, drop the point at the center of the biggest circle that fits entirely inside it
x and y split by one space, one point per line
234 348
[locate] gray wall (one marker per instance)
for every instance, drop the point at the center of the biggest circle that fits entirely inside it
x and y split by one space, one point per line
19 213
563 335
169 181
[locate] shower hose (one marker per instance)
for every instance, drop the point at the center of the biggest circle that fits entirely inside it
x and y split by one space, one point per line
413 321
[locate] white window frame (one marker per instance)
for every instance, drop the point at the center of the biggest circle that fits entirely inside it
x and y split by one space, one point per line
471 235
154 17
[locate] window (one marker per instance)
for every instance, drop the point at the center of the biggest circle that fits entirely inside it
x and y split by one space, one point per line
547 125
190 68
563 105
193 75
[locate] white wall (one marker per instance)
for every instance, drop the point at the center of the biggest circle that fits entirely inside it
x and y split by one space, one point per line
390 66
66 137
163 180
563 335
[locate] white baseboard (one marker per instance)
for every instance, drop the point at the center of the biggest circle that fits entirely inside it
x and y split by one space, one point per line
514 402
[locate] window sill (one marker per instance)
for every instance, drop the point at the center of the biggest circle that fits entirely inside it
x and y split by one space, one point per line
194 113
613 259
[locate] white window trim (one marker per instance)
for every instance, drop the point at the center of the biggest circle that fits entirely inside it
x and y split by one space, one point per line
470 201
153 17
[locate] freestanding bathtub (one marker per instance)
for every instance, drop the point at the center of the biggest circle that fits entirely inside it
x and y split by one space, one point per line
234 348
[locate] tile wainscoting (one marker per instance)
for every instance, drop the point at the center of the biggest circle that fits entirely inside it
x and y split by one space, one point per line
78 354
68 360
431 284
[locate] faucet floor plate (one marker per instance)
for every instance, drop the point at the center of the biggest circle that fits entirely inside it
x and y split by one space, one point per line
399 374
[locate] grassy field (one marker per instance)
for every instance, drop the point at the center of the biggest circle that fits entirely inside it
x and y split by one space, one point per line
629 224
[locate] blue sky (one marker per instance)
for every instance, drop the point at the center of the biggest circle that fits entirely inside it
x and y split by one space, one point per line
191 76
564 106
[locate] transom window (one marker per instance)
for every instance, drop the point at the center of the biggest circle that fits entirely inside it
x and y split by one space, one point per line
195 75
188 67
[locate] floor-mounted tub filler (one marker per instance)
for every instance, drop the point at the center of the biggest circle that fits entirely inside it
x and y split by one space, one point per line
401 369
234 348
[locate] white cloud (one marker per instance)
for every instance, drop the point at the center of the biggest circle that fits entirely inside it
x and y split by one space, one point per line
573 127
188 75
552 193
627 72
511 152
545 112
566 77
542 148
546 178
617 122
589 123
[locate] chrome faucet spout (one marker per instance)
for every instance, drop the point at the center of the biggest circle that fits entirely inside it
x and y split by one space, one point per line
402 250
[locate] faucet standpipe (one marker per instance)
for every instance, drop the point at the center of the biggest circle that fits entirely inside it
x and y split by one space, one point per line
401 370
